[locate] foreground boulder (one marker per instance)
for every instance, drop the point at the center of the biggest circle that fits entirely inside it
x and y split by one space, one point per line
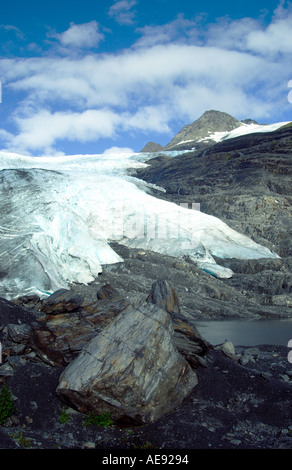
131 368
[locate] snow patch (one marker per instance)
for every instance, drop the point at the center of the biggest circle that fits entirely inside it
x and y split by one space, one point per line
244 129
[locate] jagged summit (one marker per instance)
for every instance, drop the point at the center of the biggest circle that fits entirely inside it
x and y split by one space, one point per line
210 122
152 147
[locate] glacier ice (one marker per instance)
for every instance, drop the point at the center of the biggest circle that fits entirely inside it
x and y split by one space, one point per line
60 214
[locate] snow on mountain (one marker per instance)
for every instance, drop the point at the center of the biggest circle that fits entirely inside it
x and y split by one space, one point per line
214 126
59 215
244 129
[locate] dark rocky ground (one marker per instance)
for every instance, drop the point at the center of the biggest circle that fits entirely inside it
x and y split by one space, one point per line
234 406
242 401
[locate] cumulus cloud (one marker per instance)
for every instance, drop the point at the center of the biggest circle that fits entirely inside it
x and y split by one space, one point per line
118 151
45 128
42 131
180 30
140 77
275 39
254 35
81 36
122 11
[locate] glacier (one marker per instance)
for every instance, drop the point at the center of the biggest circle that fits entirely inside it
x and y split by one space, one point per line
59 216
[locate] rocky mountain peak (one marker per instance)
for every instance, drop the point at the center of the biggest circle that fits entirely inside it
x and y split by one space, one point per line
152 147
211 121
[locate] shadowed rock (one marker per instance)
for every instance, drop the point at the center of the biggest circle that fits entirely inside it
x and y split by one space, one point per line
58 339
61 301
107 291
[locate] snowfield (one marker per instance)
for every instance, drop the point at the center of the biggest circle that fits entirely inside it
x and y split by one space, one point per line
244 129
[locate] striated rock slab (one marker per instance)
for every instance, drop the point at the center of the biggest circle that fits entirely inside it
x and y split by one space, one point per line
164 296
63 300
59 338
186 337
107 291
132 369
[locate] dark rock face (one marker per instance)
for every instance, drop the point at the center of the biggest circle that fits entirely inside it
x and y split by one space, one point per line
246 182
107 291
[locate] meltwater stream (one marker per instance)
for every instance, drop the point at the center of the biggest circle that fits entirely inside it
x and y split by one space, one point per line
59 215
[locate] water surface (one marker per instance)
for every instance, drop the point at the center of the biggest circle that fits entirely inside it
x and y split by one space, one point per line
246 332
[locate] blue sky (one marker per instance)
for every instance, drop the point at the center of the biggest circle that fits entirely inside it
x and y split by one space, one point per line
84 77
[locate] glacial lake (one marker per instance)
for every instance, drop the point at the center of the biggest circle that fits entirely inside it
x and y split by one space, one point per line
246 332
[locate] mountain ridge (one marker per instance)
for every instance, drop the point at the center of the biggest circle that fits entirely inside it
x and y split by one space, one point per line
245 181
211 127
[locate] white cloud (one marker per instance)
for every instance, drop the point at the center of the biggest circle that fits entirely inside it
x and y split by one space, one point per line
275 39
231 34
254 36
148 119
43 129
147 76
173 73
85 35
118 151
13 29
180 30
122 11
